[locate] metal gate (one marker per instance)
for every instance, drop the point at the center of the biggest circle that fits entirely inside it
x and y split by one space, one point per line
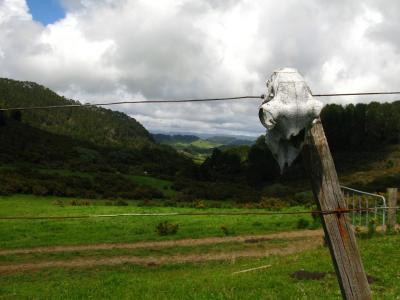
366 205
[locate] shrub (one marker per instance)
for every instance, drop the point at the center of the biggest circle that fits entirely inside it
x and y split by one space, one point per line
389 164
76 202
58 202
143 192
170 203
303 223
248 205
372 223
5 191
357 230
121 202
39 190
179 197
256 224
167 228
316 220
276 190
199 204
303 197
226 231
271 203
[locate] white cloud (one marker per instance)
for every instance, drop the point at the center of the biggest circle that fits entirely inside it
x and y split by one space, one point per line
129 49
13 9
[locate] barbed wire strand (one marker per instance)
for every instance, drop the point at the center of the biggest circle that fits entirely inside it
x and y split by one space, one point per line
180 101
208 214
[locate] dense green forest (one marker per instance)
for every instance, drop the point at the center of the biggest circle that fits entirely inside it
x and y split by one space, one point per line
100 142
94 124
30 156
94 152
87 138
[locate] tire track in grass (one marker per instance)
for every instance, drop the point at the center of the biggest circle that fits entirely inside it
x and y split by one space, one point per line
295 247
166 244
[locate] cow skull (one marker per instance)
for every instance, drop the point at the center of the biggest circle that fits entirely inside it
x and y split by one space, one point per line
287 112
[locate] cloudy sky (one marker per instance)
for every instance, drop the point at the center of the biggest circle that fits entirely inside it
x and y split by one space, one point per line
98 50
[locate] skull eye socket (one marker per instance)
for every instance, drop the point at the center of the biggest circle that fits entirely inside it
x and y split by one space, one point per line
266 119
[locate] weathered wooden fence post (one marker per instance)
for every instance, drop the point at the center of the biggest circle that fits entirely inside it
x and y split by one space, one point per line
338 232
392 203
288 112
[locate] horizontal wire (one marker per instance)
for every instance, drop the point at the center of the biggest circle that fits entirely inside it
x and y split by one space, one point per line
319 212
131 102
181 101
355 94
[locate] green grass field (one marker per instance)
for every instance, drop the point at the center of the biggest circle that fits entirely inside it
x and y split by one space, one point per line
189 280
30 233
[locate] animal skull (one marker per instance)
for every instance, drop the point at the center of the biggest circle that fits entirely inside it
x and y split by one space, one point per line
287 112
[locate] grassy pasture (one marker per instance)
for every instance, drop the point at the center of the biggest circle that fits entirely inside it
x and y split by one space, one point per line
212 280
205 280
31 233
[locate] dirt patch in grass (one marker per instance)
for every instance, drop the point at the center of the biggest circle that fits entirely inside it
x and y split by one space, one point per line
257 240
168 244
295 247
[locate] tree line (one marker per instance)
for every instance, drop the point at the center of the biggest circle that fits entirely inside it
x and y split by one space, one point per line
349 130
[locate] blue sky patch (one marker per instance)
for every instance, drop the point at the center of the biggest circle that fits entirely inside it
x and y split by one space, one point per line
46 11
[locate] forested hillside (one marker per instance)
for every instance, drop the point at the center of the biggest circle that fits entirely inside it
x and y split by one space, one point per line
90 152
362 126
97 125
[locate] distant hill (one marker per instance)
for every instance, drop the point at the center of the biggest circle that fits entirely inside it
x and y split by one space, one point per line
174 139
201 142
97 125
230 140
197 148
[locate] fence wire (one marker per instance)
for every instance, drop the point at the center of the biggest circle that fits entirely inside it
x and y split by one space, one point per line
205 214
182 101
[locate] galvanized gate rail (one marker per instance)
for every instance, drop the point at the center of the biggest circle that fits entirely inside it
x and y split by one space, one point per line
361 200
